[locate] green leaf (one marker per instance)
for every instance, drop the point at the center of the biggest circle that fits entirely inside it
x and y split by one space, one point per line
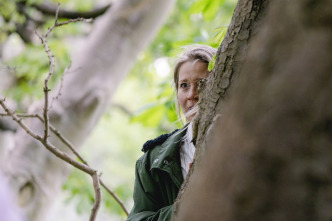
219 36
208 8
171 111
212 62
151 116
78 185
211 9
199 6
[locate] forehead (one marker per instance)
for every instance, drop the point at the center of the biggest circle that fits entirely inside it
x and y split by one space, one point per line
193 70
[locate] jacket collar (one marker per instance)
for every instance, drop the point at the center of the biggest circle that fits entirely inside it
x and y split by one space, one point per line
168 158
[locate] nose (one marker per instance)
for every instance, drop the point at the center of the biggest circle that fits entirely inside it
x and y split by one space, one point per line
193 93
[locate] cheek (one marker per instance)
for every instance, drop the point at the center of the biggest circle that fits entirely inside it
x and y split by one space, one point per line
181 99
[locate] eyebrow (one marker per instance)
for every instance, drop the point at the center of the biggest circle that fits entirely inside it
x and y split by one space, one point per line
197 79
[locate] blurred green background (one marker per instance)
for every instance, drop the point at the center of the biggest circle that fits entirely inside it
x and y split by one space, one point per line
142 109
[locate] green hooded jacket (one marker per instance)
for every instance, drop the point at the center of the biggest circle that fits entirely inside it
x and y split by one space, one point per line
158 178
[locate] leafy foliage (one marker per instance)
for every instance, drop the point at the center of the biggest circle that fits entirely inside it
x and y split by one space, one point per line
32 65
219 36
77 185
209 9
31 68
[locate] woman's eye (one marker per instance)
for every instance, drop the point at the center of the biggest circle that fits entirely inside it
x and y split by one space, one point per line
183 85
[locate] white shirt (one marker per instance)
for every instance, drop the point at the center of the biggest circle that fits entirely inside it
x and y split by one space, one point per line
187 151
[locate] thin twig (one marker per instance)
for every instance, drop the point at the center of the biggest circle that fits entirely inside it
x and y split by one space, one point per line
71 147
59 153
117 199
44 140
20 115
75 20
56 24
18 120
96 187
47 126
46 89
46 143
62 155
52 64
56 97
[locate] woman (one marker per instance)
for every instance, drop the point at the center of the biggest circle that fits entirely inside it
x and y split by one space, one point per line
167 159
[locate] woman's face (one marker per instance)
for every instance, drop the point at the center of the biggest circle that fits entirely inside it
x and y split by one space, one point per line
190 73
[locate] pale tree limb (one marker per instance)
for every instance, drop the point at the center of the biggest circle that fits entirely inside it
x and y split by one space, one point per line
50 9
45 120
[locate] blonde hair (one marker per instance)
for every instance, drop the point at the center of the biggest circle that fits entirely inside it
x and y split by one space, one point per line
202 53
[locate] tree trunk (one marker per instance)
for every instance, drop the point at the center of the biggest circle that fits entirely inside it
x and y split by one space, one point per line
125 30
270 155
230 57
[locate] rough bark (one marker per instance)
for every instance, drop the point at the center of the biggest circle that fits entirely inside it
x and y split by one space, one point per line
270 155
35 175
231 54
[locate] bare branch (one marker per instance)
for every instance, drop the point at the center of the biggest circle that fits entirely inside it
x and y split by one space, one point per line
56 24
46 89
47 126
19 115
96 205
71 147
50 9
18 120
117 199
61 86
62 155
75 20
46 143
52 65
